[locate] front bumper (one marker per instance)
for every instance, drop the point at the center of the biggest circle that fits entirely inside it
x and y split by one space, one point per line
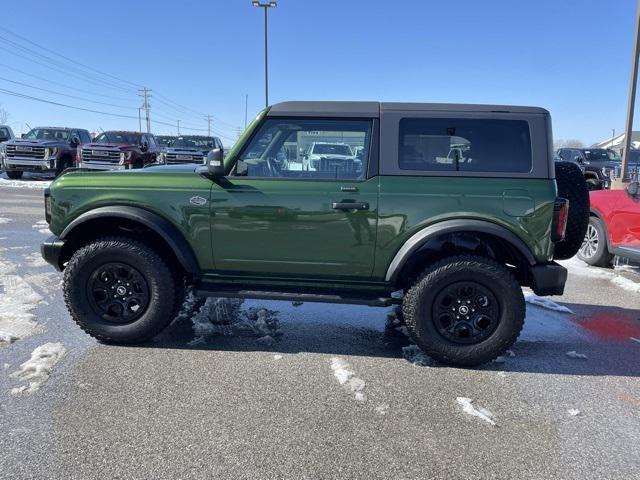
51 250
548 279
102 166
29 164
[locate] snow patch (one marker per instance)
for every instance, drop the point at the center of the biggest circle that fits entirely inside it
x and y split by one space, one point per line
24 184
382 409
277 357
4 220
39 367
35 260
574 354
347 378
470 409
17 300
416 356
546 303
42 226
574 412
578 267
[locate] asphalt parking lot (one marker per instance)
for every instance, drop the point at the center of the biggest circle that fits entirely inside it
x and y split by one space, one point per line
250 400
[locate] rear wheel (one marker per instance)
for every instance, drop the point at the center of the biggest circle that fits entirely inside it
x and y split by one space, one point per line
119 290
465 310
594 250
14 174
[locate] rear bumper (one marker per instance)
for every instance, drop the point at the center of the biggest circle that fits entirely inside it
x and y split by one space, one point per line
548 279
51 250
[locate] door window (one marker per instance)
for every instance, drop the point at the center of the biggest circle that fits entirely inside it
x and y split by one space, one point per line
307 149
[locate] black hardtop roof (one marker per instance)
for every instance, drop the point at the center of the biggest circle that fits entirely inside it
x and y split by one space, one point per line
373 109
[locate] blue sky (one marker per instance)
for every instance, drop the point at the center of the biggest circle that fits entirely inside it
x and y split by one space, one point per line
571 57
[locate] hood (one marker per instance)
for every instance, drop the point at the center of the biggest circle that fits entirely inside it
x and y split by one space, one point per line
116 146
186 150
36 142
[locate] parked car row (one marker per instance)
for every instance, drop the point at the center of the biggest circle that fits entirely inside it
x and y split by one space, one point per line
54 149
599 165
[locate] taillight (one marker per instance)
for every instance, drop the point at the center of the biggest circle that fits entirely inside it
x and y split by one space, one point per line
560 217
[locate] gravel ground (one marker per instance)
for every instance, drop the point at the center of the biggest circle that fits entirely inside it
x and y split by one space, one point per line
234 406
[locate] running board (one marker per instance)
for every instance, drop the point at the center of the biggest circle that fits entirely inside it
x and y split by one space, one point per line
296 297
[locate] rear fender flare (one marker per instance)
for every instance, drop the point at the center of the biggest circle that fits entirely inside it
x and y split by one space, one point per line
418 239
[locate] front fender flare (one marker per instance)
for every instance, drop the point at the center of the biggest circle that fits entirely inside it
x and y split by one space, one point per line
167 230
450 226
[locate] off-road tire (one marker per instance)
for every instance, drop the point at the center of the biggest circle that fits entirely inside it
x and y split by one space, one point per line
14 174
419 299
601 257
162 303
573 187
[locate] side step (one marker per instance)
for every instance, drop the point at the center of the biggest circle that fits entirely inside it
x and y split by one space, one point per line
300 297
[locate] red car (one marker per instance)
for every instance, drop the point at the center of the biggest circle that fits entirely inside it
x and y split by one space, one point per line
614 226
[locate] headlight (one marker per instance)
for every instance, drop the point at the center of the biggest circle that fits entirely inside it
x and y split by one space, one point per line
162 158
124 157
50 153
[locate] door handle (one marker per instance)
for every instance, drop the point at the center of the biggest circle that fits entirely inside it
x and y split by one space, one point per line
350 206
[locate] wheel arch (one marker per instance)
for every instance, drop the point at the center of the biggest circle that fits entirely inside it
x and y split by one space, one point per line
101 220
479 228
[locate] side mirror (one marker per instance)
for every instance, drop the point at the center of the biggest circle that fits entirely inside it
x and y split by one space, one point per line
24 135
215 165
75 141
633 189
144 147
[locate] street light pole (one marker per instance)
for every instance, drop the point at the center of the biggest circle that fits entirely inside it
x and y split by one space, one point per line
265 6
624 176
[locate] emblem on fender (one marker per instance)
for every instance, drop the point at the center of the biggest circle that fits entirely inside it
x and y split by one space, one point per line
197 200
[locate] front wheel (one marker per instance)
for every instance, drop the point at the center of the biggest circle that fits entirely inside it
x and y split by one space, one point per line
119 290
464 311
594 249
14 174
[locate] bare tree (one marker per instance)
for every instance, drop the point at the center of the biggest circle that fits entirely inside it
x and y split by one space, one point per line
571 143
4 116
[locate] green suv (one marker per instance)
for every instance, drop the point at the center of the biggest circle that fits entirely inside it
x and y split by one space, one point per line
446 209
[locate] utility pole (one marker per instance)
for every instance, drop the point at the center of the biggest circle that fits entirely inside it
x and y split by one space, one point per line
139 120
266 6
178 127
145 104
624 175
246 103
209 120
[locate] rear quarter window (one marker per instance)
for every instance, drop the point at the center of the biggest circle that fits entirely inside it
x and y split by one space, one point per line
465 145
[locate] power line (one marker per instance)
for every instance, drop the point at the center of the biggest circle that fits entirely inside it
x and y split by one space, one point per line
67 58
61 64
29 97
64 94
76 89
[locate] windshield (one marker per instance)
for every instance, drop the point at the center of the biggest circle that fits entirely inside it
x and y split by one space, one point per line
195 143
164 141
48 134
331 149
601 155
119 138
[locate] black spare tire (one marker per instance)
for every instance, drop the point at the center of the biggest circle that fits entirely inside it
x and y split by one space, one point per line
573 187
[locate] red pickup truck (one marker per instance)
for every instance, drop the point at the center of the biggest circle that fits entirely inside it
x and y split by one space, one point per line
614 226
